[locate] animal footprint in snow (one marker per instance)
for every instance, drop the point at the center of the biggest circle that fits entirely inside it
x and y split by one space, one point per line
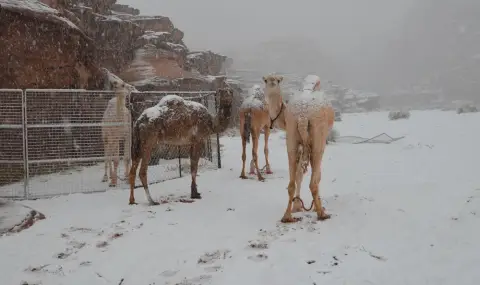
258 257
215 268
211 257
258 244
169 273
199 280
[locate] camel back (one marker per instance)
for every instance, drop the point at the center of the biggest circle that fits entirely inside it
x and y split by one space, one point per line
138 102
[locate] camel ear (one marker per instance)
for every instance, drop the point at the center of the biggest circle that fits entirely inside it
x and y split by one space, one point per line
280 78
264 79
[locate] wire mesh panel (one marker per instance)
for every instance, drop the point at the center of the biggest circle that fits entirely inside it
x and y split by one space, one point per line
69 135
171 161
12 161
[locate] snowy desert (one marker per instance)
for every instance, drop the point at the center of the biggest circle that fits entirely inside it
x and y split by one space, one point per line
402 213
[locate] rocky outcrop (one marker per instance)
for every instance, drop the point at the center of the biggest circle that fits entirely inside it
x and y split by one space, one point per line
42 49
147 51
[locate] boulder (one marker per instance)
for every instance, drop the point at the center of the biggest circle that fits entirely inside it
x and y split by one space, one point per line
206 62
43 49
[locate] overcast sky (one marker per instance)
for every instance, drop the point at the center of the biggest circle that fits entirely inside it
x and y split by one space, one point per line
353 33
341 25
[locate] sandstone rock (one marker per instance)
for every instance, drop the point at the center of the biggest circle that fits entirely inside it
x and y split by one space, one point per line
154 23
42 49
206 62
124 9
115 38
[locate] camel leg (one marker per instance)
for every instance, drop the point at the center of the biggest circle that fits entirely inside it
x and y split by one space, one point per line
116 161
244 146
316 163
132 176
255 137
252 166
292 146
297 205
105 176
126 154
194 158
142 174
266 134
292 167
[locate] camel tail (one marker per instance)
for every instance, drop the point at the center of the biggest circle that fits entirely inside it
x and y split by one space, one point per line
247 127
136 147
303 151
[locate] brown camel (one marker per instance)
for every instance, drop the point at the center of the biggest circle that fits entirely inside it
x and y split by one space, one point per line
261 111
178 122
309 118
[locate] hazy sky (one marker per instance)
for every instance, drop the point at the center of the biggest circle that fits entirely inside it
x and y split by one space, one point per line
341 25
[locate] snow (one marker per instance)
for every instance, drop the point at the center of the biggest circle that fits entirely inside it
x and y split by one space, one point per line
255 99
162 107
150 35
403 213
36 7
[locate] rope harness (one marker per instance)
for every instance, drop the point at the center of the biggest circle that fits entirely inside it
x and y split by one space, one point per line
303 205
278 115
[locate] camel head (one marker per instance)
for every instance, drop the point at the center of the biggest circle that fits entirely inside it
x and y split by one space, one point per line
116 84
225 96
272 81
311 83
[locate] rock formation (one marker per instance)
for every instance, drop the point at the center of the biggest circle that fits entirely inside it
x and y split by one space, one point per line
42 49
64 43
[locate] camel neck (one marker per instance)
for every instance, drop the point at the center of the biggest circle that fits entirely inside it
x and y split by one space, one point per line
276 110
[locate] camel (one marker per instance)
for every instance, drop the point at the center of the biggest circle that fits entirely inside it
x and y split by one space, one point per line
261 111
116 113
179 122
309 118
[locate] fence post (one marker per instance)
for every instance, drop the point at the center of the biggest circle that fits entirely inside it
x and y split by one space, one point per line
219 159
179 162
26 175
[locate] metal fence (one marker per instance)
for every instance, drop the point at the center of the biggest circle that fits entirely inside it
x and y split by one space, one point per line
51 141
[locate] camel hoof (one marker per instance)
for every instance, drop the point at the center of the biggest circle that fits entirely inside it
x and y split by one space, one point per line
268 172
196 196
324 217
112 185
104 179
262 179
288 220
153 203
132 203
243 177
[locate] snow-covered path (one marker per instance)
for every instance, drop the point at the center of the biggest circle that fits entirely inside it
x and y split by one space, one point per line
404 213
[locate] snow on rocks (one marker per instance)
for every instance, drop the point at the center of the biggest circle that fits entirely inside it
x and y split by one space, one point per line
37 7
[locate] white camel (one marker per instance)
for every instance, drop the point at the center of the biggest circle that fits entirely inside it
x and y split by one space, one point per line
116 127
309 117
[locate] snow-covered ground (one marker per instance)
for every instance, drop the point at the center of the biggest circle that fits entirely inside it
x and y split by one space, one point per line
402 213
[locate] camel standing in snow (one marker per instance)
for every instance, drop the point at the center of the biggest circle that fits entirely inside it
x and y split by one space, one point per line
309 118
116 113
261 111
179 122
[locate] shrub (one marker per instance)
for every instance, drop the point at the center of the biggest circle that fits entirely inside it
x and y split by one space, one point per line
396 115
467 108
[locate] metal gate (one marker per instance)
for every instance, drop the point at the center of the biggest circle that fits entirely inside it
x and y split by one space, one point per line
52 142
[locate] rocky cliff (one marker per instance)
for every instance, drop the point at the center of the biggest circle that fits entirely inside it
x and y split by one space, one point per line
64 43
